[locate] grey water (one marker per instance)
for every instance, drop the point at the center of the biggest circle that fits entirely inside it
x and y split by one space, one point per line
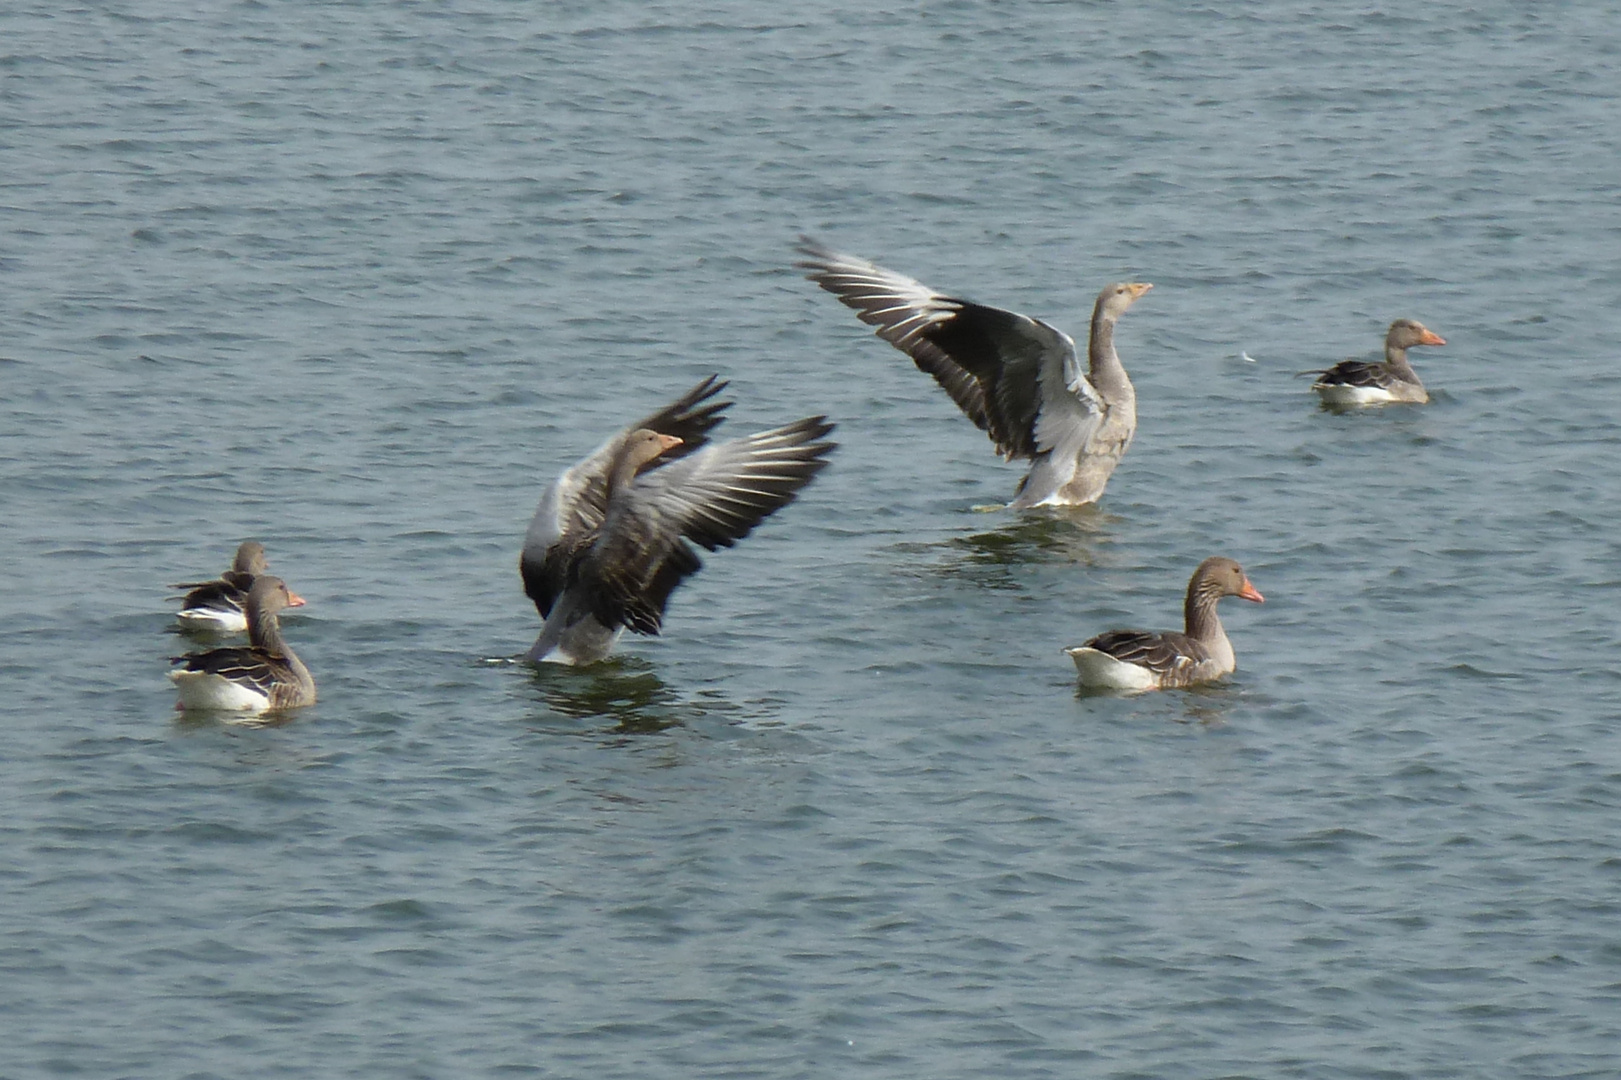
358 279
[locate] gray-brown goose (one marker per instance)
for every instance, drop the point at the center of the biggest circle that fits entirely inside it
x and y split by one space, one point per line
1017 378
217 605
1358 382
612 536
1142 660
263 676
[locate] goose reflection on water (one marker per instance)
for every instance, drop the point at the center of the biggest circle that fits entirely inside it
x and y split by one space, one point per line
192 722
1207 705
1047 535
626 690
1067 536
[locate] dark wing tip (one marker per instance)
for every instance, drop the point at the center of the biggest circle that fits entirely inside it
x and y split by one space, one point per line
812 248
822 264
691 417
711 385
813 427
688 403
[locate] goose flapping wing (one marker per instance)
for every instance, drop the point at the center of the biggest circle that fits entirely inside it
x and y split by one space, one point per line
572 510
713 498
1017 378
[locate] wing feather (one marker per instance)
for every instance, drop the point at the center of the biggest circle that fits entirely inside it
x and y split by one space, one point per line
247 664
1164 653
1354 373
572 510
712 498
227 593
1017 378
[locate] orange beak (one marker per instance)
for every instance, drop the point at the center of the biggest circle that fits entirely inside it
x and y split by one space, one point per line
1248 592
1432 338
294 600
1137 288
667 441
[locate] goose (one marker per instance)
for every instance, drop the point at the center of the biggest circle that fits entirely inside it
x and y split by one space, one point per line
217 605
1017 378
262 676
610 539
1135 660
1357 382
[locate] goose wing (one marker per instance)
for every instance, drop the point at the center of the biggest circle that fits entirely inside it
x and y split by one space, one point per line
572 510
246 665
1353 373
1017 378
227 593
1162 653
712 498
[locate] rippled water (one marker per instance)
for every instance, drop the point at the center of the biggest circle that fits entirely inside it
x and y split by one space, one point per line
357 280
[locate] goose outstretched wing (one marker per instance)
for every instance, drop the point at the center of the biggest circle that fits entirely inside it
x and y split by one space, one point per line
1017 378
712 498
572 510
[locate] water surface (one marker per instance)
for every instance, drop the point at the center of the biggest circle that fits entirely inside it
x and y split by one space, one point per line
358 280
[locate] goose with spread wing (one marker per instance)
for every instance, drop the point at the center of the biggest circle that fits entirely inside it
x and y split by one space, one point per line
613 535
1358 382
263 676
1134 660
1017 378
217 605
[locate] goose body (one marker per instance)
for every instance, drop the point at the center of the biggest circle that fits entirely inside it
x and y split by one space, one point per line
216 606
1136 660
1353 383
263 676
1017 378
613 534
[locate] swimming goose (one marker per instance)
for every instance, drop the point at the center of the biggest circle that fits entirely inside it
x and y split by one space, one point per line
1357 382
260 677
1017 378
1139 660
217 605
609 541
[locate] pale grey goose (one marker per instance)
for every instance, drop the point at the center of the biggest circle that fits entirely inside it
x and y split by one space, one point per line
1017 378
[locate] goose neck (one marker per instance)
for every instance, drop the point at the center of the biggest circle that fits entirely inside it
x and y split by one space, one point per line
1199 612
1108 375
1396 361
